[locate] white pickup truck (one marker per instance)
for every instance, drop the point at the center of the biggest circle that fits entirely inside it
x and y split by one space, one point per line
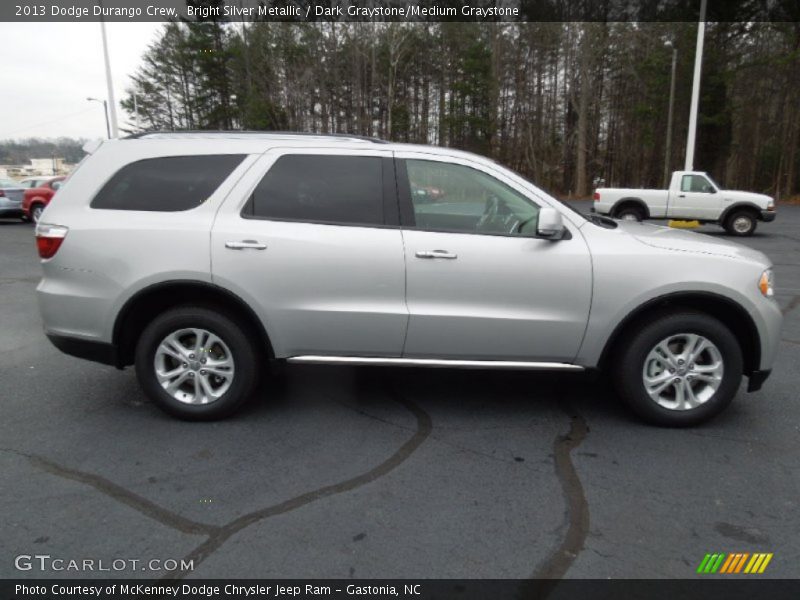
692 195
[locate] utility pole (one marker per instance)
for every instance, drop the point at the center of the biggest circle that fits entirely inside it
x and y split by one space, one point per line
698 62
112 105
668 153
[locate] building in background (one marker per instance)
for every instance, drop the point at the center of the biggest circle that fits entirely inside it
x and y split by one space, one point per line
38 167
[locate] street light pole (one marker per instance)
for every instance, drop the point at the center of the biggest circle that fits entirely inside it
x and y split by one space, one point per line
698 62
109 83
668 153
105 112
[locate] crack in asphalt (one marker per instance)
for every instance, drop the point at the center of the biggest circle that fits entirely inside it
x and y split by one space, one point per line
218 535
217 539
120 494
554 567
436 438
543 579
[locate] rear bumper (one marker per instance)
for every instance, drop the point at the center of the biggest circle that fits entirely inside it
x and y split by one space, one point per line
101 352
768 216
757 379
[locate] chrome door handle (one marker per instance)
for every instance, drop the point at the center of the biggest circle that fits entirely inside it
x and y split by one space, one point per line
436 254
246 244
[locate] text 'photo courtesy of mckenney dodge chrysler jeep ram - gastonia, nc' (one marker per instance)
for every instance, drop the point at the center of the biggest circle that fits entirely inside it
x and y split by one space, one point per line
201 257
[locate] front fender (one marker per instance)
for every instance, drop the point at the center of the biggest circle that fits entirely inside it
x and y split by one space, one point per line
738 205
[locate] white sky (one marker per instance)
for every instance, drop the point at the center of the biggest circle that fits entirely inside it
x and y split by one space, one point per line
48 70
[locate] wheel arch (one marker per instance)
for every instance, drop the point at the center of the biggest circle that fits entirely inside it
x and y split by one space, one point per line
729 210
730 313
38 201
630 201
150 301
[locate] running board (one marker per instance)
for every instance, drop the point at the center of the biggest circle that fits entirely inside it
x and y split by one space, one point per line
433 362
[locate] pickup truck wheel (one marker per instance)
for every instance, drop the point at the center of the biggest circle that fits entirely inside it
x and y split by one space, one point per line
630 213
196 363
679 370
741 223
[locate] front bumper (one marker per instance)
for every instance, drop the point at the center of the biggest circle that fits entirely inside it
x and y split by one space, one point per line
768 215
756 379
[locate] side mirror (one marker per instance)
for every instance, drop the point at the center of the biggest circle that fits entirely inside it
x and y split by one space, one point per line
550 225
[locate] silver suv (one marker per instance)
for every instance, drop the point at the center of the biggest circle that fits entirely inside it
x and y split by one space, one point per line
197 257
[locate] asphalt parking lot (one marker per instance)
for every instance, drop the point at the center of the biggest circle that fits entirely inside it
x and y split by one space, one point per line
339 472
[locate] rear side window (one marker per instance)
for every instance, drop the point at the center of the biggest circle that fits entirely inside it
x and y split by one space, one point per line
166 184
321 189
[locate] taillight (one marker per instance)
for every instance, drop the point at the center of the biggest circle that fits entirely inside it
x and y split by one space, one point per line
49 239
596 196
2 193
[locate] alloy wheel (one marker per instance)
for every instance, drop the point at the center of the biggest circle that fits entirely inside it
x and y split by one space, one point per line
683 371
194 366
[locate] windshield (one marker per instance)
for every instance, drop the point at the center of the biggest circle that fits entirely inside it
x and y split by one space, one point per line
712 182
8 183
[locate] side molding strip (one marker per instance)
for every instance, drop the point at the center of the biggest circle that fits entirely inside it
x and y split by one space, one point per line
434 362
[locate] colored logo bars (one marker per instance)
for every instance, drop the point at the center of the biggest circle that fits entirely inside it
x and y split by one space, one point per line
737 562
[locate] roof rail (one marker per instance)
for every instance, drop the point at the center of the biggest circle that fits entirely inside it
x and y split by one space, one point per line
364 138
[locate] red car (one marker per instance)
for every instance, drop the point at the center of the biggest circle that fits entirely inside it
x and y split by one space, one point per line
35 199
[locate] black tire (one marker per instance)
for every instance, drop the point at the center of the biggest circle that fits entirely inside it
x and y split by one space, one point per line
36 212
741 223
632 352
634 213
243 349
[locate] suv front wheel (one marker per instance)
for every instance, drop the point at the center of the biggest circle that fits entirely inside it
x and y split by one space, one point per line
196 363
680 369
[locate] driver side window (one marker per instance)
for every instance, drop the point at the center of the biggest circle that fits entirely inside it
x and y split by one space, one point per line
695 183
450 197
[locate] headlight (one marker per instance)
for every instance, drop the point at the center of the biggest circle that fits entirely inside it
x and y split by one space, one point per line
766 284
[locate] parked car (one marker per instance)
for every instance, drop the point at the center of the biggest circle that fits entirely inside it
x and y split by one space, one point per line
37 198
32 182
197 257
10 199
692 195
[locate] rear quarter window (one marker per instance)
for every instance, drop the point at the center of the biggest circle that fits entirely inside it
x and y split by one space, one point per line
166 184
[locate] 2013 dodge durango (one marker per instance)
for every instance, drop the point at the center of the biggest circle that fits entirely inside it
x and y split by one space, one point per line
198 257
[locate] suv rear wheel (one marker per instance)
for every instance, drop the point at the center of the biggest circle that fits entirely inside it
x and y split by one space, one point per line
196 363
681 369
